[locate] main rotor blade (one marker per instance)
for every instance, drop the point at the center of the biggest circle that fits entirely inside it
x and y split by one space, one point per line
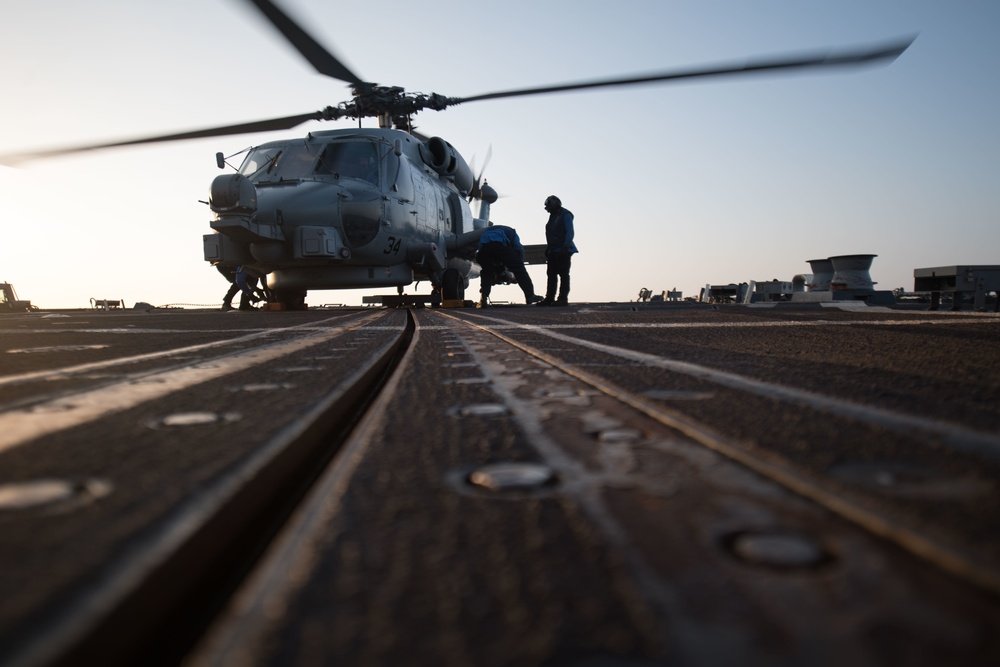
867 55
324 61
285 123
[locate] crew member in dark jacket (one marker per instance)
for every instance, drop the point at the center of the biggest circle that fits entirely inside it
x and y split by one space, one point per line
229 272
559 249
500 249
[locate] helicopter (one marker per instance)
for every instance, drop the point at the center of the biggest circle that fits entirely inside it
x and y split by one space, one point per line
387 206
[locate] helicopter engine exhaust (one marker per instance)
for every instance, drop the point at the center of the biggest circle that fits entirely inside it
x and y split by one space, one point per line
442 157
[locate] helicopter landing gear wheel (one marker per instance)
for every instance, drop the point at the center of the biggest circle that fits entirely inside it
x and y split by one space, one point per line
452 288
291 299
435 298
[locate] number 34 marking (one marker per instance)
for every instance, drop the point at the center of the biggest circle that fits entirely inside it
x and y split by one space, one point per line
392 246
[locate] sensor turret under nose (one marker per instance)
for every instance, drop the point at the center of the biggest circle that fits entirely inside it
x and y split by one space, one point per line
233 193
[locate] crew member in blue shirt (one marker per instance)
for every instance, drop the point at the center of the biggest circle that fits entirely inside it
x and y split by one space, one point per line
559 249
247 279
499 249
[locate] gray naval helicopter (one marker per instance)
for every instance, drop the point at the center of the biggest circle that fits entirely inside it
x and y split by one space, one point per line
374 208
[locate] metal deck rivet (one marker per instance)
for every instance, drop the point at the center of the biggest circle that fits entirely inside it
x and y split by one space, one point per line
776 549
263 386
556 393
22 495
26 495
195 419
483 410
620 435
512 476
190 419
477 380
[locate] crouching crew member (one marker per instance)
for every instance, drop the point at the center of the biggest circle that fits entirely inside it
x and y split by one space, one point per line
500 249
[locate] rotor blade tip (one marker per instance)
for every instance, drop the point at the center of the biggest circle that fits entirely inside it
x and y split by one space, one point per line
905 42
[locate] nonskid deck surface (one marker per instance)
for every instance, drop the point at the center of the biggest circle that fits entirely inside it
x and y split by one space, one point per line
605 482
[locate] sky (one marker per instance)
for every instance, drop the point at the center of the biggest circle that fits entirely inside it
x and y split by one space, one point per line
672 186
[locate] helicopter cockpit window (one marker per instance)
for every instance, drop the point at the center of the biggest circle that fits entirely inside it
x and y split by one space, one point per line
278 163
259 160
353 159
296 161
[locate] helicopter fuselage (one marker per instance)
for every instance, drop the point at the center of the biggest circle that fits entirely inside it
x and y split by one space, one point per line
347 209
